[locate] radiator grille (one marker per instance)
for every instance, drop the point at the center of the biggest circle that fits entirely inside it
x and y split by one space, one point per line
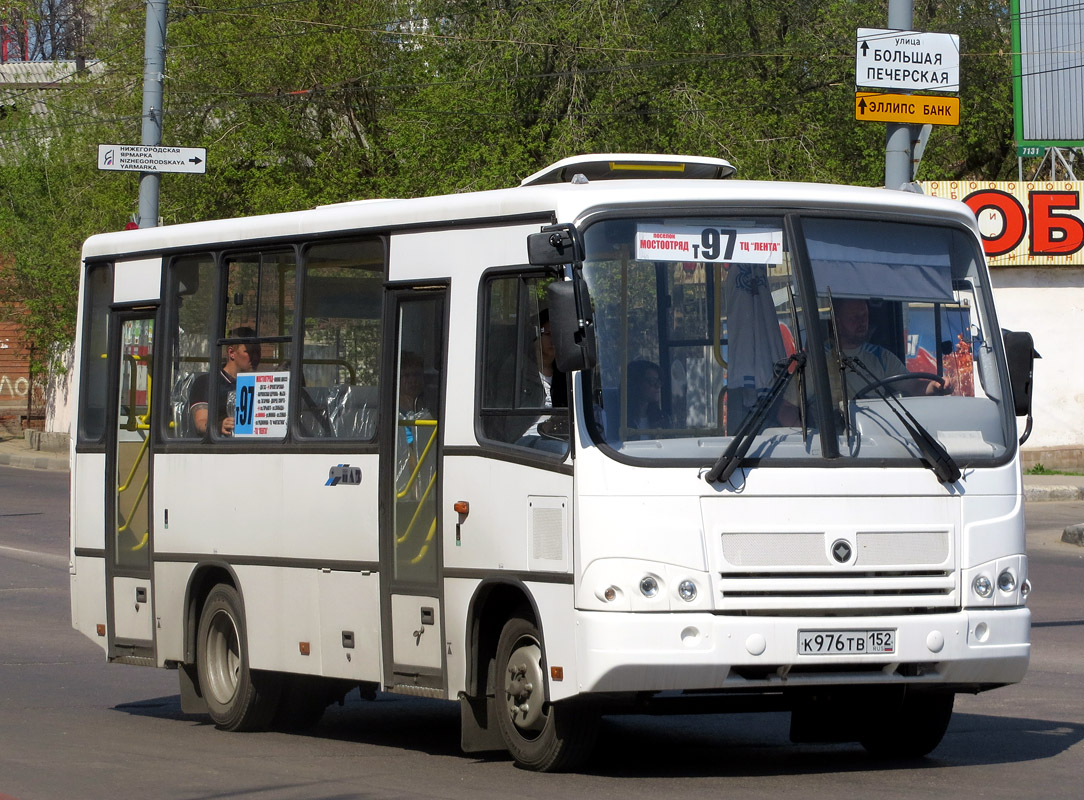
793 573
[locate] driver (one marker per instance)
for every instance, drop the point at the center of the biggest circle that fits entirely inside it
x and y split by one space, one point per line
852 329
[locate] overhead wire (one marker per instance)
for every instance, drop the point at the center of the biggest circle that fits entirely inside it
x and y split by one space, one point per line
389 29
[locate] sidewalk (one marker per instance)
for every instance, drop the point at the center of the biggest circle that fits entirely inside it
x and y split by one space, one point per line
35 452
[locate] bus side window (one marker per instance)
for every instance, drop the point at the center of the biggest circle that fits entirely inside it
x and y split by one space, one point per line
521 386
342 298
192 282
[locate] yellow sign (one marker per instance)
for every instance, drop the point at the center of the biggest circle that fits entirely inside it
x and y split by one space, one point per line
920 109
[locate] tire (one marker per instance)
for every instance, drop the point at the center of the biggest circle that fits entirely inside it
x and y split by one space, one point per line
540 736
238 699
912 729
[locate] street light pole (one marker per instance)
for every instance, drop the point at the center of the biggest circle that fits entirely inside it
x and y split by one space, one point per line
898 135
154 65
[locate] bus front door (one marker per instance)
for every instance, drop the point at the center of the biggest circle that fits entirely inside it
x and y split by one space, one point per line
411 491
128 490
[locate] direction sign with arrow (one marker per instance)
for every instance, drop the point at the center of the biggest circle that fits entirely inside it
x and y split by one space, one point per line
146 158
921 109
907 60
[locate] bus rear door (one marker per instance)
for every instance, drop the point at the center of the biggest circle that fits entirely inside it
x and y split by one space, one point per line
128 505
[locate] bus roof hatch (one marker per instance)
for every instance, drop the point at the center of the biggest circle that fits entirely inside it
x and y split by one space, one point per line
617 166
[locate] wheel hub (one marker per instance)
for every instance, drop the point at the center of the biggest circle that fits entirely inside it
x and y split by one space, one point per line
524 687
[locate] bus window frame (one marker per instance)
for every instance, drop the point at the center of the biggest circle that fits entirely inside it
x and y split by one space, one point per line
510 451
85 443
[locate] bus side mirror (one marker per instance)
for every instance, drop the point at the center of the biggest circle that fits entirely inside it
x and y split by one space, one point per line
554 246
573 333
1021 355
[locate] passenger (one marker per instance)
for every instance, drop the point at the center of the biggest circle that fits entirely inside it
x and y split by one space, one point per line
645 396
412 385
542 385
540 371
243 357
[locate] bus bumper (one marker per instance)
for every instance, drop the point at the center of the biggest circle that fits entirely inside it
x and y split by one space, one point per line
628 652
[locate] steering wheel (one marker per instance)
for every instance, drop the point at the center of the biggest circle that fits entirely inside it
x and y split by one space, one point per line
556 428
903 376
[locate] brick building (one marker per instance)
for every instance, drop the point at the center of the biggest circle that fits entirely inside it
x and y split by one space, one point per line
24 88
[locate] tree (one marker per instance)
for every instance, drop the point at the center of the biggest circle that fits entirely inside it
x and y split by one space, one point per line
308 102
49 30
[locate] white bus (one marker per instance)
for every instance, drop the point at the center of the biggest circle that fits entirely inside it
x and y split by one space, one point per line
580 447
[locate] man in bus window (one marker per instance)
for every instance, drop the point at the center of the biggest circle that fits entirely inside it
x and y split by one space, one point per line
853 331
542 385
243 357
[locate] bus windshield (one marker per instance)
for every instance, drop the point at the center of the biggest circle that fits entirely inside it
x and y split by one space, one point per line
704 334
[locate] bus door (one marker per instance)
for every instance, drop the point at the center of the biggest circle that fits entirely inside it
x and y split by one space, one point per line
128 526
410 548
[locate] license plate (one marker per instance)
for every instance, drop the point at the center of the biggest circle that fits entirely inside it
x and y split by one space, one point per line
846 643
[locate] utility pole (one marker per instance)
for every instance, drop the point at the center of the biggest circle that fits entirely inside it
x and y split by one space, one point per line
898 135
154 65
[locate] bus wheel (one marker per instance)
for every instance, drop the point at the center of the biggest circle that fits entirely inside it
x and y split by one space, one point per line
238 699
540 736
911 729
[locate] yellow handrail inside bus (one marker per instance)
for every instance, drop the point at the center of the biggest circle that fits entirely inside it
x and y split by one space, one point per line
417 511
137 422
426 423
425 545
421 423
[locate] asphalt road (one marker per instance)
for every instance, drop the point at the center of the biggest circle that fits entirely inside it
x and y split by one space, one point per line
72 726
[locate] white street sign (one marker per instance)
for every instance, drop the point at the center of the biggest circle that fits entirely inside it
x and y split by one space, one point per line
145 158
907 60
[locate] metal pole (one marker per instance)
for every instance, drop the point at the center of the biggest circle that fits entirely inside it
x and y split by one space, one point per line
898 135
154 65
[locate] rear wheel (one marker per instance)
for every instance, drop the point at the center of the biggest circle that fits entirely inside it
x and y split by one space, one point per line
238 699
541 736
913 728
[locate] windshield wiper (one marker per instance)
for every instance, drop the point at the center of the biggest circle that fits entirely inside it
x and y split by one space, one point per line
743 438
937 457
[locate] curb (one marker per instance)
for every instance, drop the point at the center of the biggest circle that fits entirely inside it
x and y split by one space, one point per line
33 462
1038 494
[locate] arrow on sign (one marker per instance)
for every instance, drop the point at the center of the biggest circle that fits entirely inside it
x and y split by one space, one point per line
196 160
865 47
913 108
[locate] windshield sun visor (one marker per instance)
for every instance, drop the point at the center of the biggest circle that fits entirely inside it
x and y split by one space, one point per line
866 258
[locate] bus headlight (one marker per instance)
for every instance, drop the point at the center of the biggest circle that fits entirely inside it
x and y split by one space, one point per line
627 584
982 586
1006 581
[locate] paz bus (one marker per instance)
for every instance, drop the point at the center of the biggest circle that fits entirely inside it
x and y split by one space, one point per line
632 436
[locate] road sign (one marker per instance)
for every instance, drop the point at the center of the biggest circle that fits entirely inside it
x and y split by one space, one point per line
145 158
921 109
907 60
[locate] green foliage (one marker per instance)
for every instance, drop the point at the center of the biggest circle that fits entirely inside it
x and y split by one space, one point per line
1039 469
305 102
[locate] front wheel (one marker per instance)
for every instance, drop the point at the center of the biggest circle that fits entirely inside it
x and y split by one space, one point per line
541 736
911 729
238 699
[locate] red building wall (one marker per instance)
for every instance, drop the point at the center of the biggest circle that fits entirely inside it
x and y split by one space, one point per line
15 370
